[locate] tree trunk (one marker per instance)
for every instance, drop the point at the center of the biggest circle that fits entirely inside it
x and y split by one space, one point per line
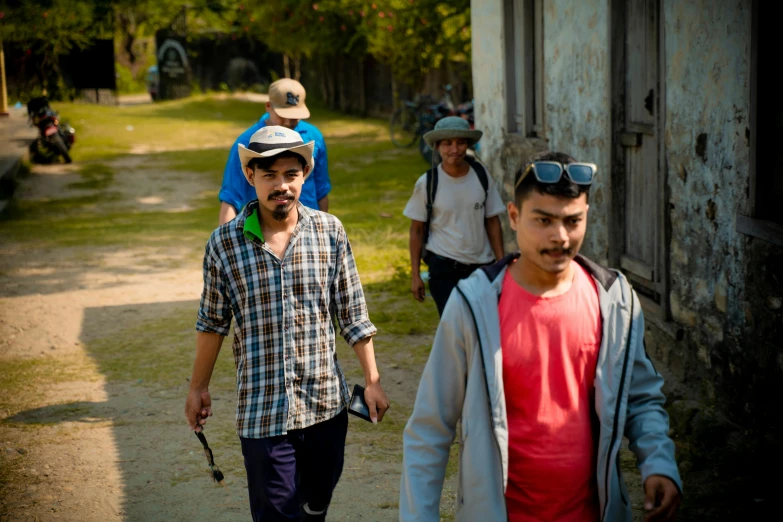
129 23
323 68
395 94
129 41
286 66
297 68
342 83
332 90
362 89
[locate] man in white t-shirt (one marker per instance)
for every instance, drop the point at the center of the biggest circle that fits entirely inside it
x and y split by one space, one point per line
460 231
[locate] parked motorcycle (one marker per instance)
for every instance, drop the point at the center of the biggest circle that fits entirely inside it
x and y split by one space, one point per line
55 138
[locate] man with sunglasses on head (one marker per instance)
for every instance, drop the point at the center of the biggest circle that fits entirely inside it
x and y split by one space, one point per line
542 357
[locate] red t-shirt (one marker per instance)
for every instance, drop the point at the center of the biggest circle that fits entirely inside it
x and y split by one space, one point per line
550 348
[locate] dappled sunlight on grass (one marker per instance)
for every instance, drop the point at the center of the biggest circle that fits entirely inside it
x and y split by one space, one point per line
83 227
371 180
23 378
189 124
137 206
103 132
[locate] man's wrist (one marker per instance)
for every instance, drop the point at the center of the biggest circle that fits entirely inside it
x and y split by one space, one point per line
199 388
374 378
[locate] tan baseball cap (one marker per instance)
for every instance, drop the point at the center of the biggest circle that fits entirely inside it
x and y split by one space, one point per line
287 97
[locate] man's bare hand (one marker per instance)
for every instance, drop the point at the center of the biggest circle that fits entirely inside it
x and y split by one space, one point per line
197 408
417 288
376 400
661 498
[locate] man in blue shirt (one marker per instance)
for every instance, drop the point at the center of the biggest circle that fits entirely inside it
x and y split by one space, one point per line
286 107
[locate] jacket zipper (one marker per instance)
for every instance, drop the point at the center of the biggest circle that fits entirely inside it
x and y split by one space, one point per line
486 381
617 411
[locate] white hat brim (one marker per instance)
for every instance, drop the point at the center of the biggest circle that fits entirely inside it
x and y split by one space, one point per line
305 150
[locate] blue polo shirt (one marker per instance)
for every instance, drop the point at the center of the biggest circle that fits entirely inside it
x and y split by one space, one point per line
237 192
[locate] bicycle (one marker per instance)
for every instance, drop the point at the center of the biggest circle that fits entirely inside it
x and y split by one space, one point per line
410 122
414 118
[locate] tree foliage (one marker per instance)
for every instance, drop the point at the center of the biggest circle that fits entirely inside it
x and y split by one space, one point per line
54 27
412 36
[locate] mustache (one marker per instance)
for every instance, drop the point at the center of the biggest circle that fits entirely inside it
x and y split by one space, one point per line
564 251
288 195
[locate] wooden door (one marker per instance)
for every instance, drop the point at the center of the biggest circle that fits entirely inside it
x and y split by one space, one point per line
642 258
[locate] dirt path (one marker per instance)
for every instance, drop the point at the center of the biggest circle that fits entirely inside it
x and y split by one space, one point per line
96 345
98 434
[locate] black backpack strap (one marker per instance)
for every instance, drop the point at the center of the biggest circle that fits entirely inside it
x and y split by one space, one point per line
432 187
481 172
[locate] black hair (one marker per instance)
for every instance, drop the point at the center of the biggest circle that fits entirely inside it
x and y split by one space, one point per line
266 163
565 188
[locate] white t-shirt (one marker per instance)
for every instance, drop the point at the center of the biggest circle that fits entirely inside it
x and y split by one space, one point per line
457 229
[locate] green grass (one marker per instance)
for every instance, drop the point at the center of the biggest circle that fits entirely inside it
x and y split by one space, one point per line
104 132
371 180
22 378
156 353
95 176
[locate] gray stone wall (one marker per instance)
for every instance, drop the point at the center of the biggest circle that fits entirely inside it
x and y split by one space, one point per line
577 111
722 344
725 286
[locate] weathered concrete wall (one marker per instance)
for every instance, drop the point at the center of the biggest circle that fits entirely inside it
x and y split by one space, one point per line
724 285
503 152
577 87
724 343
707 156
489 88
577 113
724 340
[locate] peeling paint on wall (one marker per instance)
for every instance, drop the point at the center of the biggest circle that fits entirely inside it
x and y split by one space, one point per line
726 328
577 95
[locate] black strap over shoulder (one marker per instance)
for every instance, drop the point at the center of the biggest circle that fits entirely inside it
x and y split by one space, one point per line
432 187
481 172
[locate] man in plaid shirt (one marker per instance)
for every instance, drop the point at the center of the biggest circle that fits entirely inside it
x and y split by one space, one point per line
278 269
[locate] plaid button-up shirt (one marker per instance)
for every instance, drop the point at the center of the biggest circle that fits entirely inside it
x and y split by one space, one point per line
284 339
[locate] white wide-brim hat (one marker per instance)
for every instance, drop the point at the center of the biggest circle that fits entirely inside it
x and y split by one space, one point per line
273 140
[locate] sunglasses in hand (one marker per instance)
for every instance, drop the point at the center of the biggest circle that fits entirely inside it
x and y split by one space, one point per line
217 475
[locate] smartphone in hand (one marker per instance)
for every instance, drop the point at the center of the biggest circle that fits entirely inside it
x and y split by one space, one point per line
358 406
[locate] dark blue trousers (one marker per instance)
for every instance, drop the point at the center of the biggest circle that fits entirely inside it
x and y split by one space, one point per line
292 476
445 273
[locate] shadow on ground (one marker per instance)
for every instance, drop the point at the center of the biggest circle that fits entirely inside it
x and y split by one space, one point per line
162 471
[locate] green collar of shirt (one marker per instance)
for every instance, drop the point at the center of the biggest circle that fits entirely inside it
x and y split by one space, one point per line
252 228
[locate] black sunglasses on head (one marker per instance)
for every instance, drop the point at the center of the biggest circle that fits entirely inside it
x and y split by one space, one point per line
552 171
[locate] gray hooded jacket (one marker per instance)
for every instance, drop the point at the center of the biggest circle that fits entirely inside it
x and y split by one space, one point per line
463 380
